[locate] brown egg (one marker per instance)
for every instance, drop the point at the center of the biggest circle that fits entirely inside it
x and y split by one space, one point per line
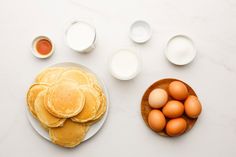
156 120
192 106
173 109
176 127
157 98
178 90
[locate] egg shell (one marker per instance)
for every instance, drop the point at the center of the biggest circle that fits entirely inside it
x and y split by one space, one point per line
173 109
176 127
157 98
156 120
178 90
192 106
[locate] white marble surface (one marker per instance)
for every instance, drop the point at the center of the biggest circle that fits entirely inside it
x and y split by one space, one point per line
210 23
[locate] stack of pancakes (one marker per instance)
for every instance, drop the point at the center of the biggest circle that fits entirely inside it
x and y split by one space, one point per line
66 101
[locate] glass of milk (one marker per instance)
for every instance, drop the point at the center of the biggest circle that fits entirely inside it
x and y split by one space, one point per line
81 36
125 64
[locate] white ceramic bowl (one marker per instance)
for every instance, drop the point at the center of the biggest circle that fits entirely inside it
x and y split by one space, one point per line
36 53
140 32
121 66
180 50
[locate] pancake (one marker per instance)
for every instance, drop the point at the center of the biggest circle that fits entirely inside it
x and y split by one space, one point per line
32 94
94 82
91 106
43 115
100 112
44 127
50 75
102 108
69 135
77 75
64 99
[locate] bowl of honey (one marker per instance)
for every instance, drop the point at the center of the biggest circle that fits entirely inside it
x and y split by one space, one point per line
42 47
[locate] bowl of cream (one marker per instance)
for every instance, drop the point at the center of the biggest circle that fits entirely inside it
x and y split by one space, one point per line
125 64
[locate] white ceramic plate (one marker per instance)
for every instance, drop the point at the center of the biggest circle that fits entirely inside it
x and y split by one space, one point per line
92 130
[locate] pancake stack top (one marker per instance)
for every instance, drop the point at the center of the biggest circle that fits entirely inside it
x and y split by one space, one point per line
66 101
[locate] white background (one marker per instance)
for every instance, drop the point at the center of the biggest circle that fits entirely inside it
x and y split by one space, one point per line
210 23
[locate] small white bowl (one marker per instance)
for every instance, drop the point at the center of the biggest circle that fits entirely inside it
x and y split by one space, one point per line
140 32
180 50
124 64
34 50
80 36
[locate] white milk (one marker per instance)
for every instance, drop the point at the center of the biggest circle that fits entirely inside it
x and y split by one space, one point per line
124 65
80 36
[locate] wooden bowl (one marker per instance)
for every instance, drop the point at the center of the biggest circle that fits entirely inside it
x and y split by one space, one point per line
164 83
